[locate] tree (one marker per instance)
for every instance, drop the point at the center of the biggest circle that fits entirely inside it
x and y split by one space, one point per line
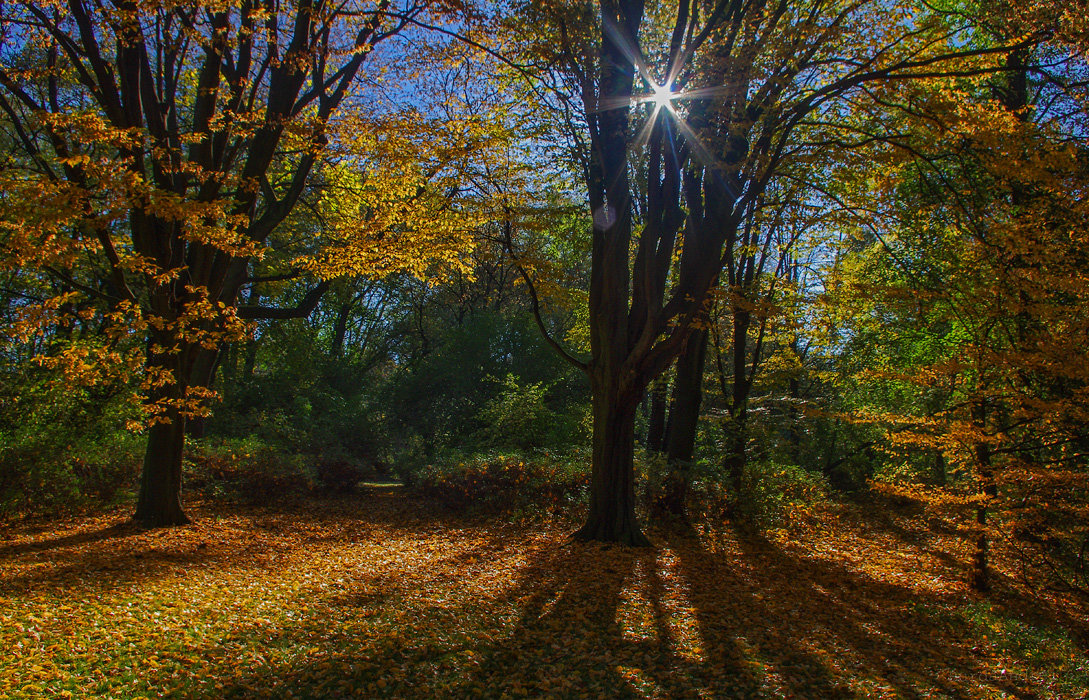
978 251
164 145
728 91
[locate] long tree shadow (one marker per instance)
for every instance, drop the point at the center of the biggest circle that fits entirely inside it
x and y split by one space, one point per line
409 628
603 620
822 630
505 610
564 641
110 532
1011 596
221 536
567 640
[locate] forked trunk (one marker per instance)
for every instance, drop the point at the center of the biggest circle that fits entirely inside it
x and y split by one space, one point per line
159 502
612 484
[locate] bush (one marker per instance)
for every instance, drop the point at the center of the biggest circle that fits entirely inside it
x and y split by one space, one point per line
518 417
247 469
42 477
773 495
63 448
508 483
487 383
339 474
307 405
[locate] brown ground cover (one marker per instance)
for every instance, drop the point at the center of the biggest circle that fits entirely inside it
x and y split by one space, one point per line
383 594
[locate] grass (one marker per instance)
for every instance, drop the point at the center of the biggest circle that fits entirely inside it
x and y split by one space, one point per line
382 595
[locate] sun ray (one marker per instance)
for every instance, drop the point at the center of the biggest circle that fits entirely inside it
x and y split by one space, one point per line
630 51
663 97
704 154
643 137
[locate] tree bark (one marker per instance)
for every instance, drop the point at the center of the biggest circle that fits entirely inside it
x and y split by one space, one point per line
612 487
684 416
656 421
739 403
203 374
981 578
159 502
340 331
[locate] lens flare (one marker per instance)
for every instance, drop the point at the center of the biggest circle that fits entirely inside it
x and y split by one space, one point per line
663 94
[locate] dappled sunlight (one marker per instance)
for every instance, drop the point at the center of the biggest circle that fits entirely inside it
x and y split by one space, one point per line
378 596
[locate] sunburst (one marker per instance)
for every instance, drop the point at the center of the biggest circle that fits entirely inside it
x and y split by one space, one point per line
662 99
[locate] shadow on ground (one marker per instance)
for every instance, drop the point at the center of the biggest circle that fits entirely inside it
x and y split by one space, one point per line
430 605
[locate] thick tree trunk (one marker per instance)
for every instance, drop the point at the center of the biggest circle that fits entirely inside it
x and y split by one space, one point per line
684 416
159 502
612 486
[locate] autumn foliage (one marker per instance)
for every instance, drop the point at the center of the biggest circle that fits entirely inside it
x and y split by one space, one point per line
544 348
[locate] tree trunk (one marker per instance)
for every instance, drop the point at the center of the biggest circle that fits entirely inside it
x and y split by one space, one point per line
736 459
656 421
981 564
684 416
230 363
340 331
250 358
941 477
203 375
612 486
739 402
159 502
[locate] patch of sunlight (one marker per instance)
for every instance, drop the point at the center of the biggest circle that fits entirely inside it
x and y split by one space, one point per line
635 611
640 683
678 609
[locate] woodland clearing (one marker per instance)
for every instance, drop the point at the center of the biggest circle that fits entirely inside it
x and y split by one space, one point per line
380 594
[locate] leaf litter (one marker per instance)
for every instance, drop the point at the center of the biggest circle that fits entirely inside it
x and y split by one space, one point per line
386 595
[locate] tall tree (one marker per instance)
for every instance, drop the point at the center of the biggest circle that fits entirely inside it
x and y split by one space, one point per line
166 143
977 251
729 87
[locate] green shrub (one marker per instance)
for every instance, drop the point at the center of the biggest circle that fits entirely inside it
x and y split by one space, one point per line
517 416
301 408
63 447
42 477
773 495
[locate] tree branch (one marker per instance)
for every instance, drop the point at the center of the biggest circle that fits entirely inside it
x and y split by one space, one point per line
301 310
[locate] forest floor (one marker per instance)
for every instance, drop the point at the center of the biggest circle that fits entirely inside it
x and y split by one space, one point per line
380 594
